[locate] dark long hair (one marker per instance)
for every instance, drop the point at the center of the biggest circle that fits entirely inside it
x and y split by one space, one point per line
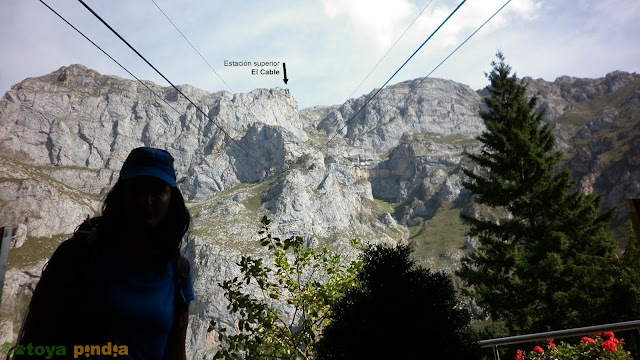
167 236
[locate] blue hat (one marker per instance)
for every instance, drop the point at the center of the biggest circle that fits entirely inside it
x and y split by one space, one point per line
146 161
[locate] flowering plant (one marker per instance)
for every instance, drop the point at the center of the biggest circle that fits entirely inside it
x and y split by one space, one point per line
601 346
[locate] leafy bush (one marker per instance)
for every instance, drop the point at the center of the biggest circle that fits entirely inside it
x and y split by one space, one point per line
302 279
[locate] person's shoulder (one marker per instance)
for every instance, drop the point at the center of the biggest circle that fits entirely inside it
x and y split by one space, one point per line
74 244
68 253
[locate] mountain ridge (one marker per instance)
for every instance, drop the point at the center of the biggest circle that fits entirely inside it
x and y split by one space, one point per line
393 174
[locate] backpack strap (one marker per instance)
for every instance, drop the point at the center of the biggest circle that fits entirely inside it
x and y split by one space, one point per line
88 231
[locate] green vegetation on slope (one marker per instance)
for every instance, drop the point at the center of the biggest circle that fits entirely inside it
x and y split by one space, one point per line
617 135
34 250
436 239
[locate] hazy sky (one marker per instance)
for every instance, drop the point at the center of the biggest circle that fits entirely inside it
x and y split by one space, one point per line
329 46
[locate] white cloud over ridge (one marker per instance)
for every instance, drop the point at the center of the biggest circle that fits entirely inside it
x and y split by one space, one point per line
329 45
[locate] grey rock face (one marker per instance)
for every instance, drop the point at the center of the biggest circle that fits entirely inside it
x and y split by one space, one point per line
321 202
558 96
18 289
211 265
433 105
41 205
426 168
20 236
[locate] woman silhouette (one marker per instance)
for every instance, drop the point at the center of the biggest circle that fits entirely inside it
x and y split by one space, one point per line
119 285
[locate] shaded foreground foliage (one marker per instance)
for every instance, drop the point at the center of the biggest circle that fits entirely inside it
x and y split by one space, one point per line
313 304
397 310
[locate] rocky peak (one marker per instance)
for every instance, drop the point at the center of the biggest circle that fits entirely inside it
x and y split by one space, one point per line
414 106
78 78
564 92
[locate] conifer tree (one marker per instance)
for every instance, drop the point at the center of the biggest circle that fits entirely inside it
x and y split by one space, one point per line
548 263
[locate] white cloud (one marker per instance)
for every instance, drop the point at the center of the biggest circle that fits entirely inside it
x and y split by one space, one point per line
378 22
473 13
526 9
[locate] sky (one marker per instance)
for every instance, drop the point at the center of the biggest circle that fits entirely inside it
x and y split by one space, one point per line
328 46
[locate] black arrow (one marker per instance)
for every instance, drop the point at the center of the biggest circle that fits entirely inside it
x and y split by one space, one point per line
284 67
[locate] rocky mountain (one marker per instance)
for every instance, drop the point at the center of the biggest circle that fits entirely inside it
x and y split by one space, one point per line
392 173
597 126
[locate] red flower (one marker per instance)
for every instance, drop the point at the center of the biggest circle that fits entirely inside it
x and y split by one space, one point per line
549 341
520 355
552 345
539 350
607 335
587 340
609 345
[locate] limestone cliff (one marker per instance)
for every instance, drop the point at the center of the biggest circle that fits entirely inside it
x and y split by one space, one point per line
392 173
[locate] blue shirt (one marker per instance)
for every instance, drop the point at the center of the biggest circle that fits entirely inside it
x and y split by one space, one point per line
137 300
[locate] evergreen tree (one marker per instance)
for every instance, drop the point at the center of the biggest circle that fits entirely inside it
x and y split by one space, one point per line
548 263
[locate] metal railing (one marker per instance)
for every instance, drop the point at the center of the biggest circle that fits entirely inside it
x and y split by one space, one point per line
589 330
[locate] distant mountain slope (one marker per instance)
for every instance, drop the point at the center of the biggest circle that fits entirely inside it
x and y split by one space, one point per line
391 174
